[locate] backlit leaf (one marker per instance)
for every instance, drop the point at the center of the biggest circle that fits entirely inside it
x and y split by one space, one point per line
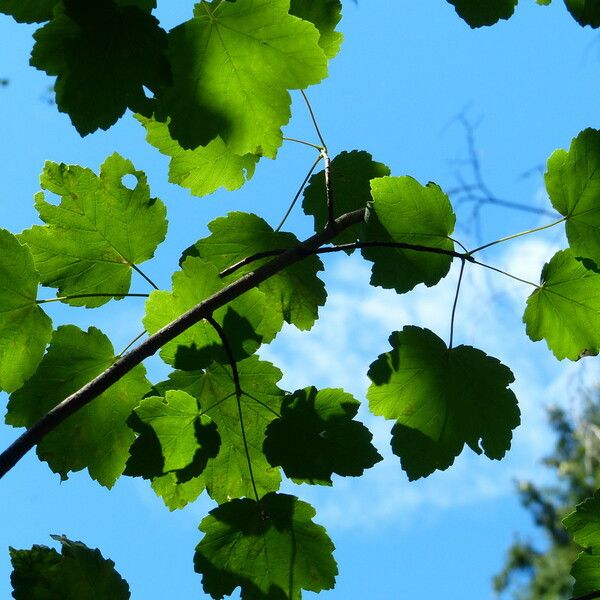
289 551
325 15
233 65
205 169
584 526
403 211
28 11
351 174
317 436
565 309
100 229
96 437
573 183
296 293
25 329
245 321
78 572
441 400
103 53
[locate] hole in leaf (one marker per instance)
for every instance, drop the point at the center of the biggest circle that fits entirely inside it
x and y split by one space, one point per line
148 92
129 181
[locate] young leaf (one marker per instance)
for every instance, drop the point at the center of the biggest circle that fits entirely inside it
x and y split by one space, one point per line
246 321
477 13
100 229
28 11
585 12
97 436
325 15
104 53
233 65
78 572
25 329
289 551
441 400
573 183
565 309
403 211
205 169
180 427
584 526
351 174
295 293
316 436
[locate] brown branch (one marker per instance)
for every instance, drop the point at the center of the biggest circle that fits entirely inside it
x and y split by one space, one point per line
124 364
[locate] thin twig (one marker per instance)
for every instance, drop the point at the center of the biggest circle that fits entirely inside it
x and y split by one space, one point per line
303 142
138 270
328 186
98 385
300 189
588 596
75 296
249 260
400 245
313 118
460 276
131 343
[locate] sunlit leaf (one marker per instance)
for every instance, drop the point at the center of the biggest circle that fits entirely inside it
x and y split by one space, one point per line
233 65
103 53
441 399
78 572
317 436
403 211
96 437
296 293
565 309
25 329
325 15
205 169
100 229
289 551
573 183
584 526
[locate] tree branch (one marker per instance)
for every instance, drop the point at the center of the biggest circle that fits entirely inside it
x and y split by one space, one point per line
11 456
589 596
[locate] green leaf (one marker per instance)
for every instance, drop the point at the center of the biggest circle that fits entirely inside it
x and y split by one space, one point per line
103 53
351 174
478 13
245 321
288 551
78 572
295 293
233 65
227 475
100 229
573 183
325 15
28 11
25 329
544 2
403 211
565 309
585 12
177 494
180 427
584 525
205 169
96 436
316 436
441 399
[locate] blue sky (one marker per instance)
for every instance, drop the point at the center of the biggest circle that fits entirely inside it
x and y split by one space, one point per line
406 70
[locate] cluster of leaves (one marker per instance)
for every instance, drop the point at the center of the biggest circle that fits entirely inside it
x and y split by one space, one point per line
219 95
